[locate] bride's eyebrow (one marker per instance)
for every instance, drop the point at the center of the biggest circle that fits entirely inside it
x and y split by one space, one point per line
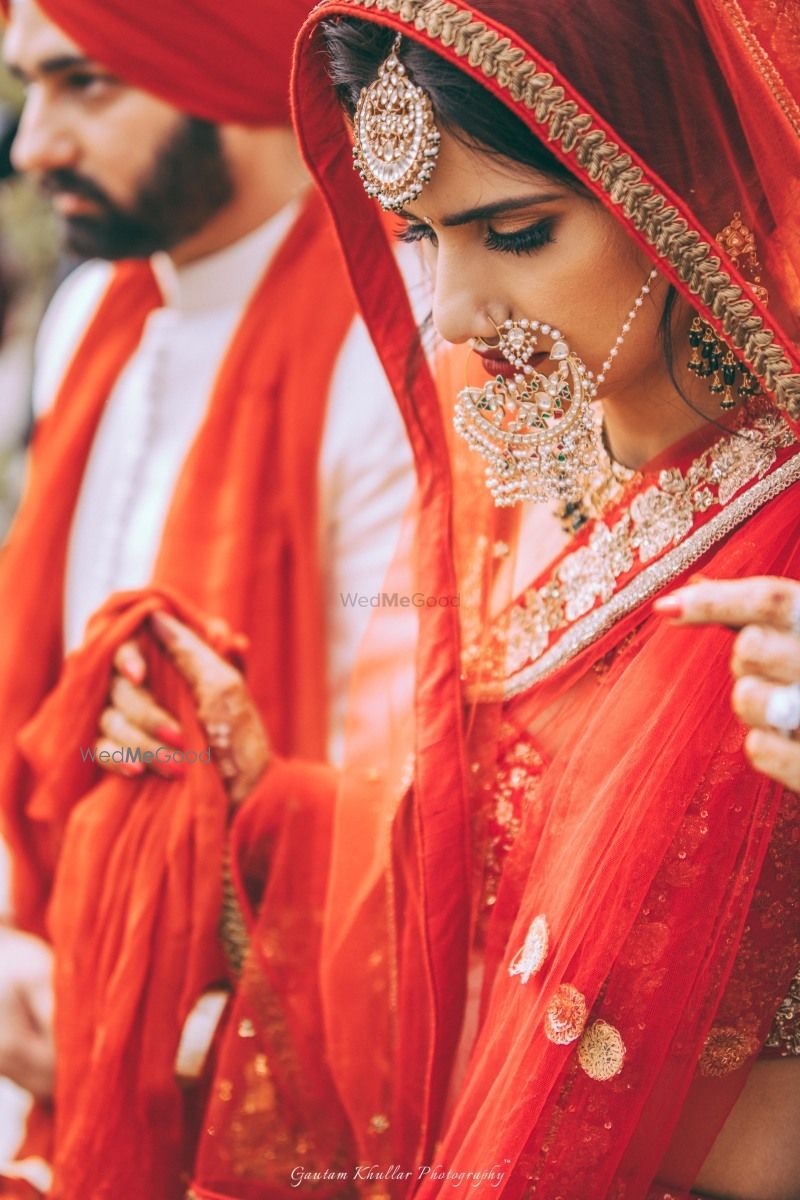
485 212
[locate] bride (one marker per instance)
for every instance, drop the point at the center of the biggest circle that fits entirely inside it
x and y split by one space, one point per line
607 200
563 962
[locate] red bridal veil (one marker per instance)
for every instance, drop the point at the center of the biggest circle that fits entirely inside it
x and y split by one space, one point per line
650 879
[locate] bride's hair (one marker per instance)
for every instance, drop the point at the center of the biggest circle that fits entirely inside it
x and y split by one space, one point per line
466 110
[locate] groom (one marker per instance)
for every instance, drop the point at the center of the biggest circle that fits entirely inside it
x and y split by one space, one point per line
161 134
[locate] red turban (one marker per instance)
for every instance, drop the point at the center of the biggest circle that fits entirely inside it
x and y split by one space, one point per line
225 60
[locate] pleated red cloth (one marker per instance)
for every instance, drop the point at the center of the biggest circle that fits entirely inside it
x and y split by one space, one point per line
134 914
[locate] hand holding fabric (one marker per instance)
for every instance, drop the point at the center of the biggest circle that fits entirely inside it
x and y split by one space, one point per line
133 721
225 708
133 912
765 661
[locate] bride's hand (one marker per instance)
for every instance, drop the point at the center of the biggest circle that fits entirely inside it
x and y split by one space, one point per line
765 661
225 708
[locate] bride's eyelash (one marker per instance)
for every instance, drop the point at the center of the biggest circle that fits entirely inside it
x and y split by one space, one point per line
522 241
416 233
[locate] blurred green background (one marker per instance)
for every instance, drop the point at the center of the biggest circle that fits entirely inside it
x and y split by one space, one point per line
29 268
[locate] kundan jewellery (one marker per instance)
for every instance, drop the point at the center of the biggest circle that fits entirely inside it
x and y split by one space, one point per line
711 357
396 139
539 433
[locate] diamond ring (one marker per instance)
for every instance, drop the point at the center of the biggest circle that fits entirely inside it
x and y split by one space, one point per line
783 709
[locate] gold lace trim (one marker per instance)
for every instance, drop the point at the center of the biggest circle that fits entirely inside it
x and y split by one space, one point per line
665 514
232 927
657 517
785 1033
606 164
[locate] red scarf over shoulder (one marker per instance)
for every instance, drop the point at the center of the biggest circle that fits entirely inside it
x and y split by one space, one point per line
241 536
133 882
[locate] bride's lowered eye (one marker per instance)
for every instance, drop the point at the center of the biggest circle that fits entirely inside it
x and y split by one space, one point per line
522 241
518 241
416 232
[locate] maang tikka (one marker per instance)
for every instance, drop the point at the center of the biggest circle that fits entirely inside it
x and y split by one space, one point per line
539 433
396 139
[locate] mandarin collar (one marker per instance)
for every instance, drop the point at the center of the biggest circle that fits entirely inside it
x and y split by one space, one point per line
221 279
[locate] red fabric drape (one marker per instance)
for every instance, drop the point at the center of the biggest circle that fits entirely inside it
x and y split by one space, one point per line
134 916
33 563
273 1109
651 788
241 540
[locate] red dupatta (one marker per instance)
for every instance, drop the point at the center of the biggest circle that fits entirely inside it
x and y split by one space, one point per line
241 543
657 861
637 103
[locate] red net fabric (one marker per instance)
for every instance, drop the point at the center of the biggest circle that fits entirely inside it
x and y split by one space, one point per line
640 836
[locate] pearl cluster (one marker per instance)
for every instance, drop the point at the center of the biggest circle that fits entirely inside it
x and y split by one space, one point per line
540 435
631 317
517 341
396 139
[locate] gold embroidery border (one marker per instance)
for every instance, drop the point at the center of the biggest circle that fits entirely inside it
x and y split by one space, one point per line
602 160
766 68
652 579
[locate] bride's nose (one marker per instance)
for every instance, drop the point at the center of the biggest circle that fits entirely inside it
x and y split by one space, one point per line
462 306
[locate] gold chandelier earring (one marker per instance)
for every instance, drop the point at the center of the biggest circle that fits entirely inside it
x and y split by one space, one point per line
711 357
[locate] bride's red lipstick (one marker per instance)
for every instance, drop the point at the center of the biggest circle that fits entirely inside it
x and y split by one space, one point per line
497 365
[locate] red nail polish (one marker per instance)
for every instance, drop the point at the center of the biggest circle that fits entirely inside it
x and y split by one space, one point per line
171 735
668 606
134 670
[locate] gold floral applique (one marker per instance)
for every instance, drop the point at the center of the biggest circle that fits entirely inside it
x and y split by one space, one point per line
601 1051
530 959
727 1048
566 1015
658 518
